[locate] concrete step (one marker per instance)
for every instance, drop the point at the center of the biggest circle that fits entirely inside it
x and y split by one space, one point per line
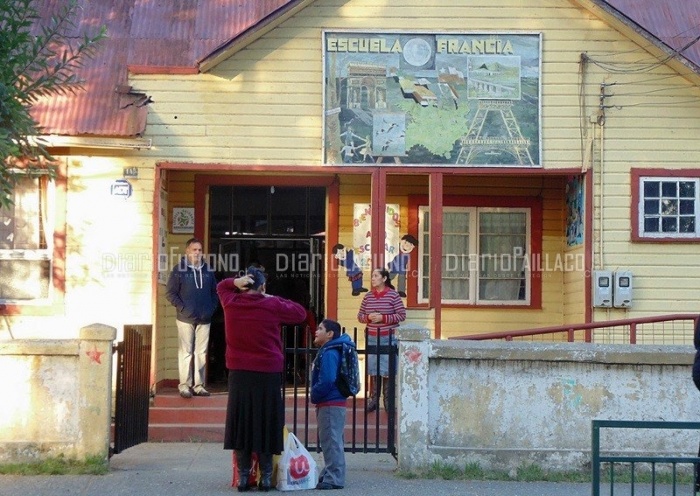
202 419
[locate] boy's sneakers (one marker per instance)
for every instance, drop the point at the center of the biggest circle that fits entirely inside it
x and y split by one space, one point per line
185 393
201 392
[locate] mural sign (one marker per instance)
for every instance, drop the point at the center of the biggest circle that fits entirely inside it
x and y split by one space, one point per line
574 209
358 258
465 99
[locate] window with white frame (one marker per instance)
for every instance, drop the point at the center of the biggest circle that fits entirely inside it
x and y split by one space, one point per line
669 207
26 242
483 255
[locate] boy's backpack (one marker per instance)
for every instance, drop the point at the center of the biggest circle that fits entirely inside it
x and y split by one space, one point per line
348 381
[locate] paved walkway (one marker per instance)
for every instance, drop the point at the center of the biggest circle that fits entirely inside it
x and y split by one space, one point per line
188 469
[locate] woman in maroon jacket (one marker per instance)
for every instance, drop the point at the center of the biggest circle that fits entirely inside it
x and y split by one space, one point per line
255 360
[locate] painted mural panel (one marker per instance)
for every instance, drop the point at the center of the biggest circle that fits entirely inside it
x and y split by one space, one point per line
574 209
464 99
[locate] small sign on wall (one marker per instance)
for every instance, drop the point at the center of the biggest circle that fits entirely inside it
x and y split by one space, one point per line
121 188
183 220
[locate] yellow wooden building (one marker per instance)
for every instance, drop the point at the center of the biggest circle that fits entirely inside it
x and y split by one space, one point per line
523 145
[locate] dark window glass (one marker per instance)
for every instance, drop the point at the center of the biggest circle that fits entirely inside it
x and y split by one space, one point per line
687 207
651 189
669 189
687 224
651 207
651 224
669 224
687 189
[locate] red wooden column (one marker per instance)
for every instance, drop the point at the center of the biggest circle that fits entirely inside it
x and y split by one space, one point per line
435 204
378 205
332 269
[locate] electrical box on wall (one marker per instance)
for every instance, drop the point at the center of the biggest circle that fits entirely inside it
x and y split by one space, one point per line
623 289
602 288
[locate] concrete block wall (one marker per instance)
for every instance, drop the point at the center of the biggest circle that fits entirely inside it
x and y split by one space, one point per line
56 396
505 404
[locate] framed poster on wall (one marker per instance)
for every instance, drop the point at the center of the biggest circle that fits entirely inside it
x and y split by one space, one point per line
183 220
458 99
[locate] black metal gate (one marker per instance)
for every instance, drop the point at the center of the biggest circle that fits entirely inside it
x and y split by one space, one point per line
365 432
133 388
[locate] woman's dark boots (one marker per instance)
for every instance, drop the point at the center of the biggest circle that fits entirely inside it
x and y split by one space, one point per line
385 386
243 468
265 472
375 385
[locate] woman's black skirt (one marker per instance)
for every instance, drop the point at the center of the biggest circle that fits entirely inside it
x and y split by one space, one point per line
255 412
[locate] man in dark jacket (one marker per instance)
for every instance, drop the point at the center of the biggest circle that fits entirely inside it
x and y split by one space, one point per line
330 403
191 290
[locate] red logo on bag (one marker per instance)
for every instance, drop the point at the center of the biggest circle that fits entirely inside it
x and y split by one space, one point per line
299 467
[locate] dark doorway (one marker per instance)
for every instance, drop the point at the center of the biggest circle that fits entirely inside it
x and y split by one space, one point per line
282 229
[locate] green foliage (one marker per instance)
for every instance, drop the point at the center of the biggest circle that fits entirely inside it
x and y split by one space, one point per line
96 465
34 66
530 472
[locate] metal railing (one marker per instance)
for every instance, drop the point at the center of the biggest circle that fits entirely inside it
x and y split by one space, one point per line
597 459
133 388
663 329
365 432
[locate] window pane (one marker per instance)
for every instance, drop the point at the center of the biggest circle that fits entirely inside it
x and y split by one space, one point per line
669 224
317 210
652 189
24 279
288 210
651 224
687 207
669 188
651 207
455 256
686 189
455 289
499 290
21 223
455 222
687 224
669 207
502 242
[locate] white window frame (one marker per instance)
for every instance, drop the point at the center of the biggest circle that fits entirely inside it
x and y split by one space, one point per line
472 259
46 218
642 215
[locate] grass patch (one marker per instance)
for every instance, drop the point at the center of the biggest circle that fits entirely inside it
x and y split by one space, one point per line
58 466
530 472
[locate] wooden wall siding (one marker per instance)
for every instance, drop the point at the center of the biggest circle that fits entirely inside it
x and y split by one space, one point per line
456 321
574 285
264 106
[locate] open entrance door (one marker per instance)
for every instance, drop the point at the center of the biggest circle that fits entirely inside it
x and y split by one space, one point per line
281 229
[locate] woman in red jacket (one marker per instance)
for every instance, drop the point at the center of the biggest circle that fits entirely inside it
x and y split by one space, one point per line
255 360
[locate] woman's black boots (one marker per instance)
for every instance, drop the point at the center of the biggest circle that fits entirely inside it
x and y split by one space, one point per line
265 472
375 393
243 468
385 386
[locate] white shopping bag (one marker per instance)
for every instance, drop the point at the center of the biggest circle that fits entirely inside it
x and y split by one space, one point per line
296 468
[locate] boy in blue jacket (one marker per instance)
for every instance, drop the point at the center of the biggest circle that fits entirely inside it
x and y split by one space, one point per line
330 403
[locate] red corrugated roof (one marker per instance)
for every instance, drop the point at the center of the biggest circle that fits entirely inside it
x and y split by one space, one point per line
675 22
158 34
169 35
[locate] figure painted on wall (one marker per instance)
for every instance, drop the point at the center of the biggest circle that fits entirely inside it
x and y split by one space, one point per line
349 148
346 258
398 267
574 207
